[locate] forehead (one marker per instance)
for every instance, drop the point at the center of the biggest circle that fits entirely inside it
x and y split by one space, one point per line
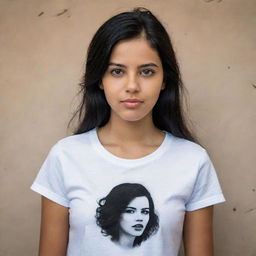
139 202
134 50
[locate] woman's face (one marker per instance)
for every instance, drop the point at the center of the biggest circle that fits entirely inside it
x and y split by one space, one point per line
133 80
135 217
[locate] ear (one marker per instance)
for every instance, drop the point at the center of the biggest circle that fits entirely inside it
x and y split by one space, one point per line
101 86
163 86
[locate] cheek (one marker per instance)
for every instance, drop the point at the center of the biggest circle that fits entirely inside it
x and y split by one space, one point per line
110 83
153 88
153 96
126 223
111 91
126 218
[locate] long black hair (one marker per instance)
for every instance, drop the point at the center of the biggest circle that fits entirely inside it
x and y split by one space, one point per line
94 110
111 207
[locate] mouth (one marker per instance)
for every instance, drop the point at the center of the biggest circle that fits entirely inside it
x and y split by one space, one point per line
138 227
132 103
132 100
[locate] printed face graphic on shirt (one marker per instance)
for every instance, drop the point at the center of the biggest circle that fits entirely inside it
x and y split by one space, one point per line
135 217
127 215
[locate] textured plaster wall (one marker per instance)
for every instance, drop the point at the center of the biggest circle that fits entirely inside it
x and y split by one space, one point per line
42 50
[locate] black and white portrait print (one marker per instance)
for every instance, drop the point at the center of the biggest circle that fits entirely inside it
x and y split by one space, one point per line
127 215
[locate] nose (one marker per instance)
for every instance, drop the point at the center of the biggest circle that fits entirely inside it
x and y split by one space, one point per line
139 217
132 84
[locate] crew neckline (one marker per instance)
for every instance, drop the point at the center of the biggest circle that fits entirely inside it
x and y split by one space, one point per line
124 161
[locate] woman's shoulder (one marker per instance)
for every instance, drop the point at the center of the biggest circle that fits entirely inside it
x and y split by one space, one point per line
73 142
186 146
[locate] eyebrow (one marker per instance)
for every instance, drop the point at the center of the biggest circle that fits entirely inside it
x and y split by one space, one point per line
141 66
133 208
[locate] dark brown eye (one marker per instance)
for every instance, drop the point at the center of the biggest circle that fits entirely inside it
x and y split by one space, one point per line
117 72
147 72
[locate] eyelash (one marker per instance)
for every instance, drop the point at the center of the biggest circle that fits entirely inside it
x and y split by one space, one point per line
146 212
120 72
129 211
113 71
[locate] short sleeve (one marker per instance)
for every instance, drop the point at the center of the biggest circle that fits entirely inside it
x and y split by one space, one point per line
207 190
49 181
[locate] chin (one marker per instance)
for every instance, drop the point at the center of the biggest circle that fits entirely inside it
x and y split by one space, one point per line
134 118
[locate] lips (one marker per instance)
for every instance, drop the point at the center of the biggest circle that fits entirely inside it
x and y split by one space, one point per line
132 103
132 100
138 226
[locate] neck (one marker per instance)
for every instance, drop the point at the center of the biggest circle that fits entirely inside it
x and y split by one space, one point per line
126 240
129 132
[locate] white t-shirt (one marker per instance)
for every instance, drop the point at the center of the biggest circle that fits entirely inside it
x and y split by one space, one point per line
122 206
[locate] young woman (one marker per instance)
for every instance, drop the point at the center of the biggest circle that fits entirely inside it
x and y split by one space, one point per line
127 214
131 130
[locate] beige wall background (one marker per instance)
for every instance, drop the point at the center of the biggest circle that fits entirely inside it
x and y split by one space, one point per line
42 50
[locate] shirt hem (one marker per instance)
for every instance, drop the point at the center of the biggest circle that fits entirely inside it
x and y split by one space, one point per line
49 194
206 202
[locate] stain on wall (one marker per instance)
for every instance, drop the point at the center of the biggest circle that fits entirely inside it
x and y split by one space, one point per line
208 1
40 14
62 12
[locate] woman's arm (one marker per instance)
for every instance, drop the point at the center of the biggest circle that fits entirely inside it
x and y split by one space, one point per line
54 229
198 232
